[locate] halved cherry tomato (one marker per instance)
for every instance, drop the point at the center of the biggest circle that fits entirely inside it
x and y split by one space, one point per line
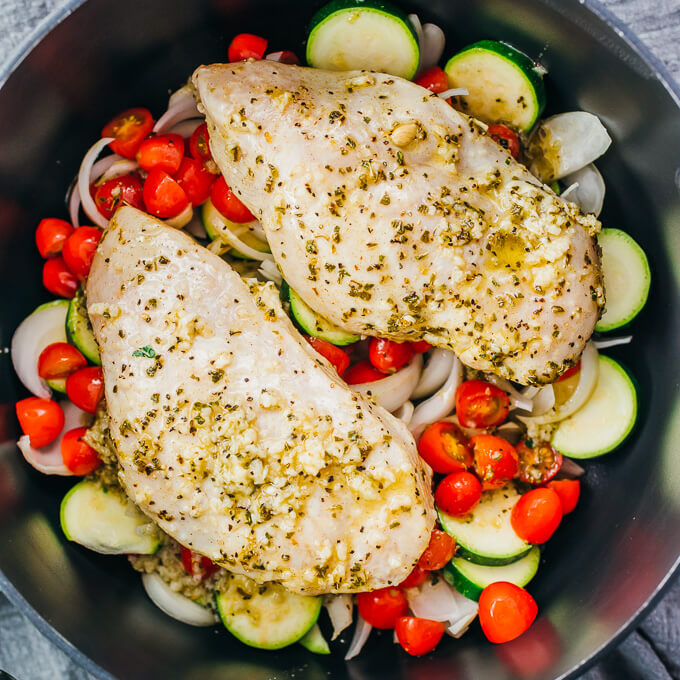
381 608
163 196
570 371
117 191
433 79
496 461
198 565
536 515
199 147
568 491
195 179
420 347
505 611
538 463
417 577
57 278
338 357
129 129
79 248
458 493
418 636
85 388
444 448
363 372
439 551
506 137
247 46
481 404
40 419
59 360
389 356
50 236
78 456
161 151
227 203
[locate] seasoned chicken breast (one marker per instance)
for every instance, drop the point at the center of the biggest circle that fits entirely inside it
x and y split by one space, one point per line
394 215
234 436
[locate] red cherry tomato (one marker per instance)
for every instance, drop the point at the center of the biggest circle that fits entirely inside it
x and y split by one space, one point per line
227 203
163 196
50 236
85 388
481 404
40 419
195 179
570 372
161 151
247 46
58 279
458 493
496 461
59 360
363 372
389 356
199 147
129 129
284 57
433 79
568 491
417 577
536 515
420 346
538 463
381 608
79 248
506 137
198 565
78 456
444 448
418 636
439 551
117 191
338 357
505 611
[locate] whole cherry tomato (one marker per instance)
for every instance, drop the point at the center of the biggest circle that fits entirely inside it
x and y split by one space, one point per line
420 346
163 196
433 79
164 152
417 577
195 179
59 360
481 404
40 419
79 248
58 279
199 146
444 448
439 551
228 204
536 515
568 491
458 493
50 236
78 456
85 388
538 463
418 636
247 46
506 137
389 356
338 357
129 129
505 611
198 565
496 461
381 608
113 193
362 372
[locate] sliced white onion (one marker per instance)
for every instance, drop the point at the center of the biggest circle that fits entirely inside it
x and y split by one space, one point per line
181 106
565 143
48 459
467 613
518 400
440 404
570 469
175 605
118 168
435 373
340 609
98 169
405 412
613 342
196 228
585 387
186 128
432 47
587 189
361 633
510 431
270 272
84 182
228 235
467 431
454 92
393 390
418 28
543 401
181 220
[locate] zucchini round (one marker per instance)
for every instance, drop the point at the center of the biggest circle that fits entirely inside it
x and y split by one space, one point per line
79 329
315 642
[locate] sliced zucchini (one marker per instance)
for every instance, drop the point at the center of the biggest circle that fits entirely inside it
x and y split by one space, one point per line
504 84
57 384
266 616
485 536
79 329
103 519
314 641
605 420
314 324
627 277
470 579
363 34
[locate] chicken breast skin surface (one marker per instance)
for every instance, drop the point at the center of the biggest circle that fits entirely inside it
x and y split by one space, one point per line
234 435
394 215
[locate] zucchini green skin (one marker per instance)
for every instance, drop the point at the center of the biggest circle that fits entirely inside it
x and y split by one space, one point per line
79 329
315 642
520 62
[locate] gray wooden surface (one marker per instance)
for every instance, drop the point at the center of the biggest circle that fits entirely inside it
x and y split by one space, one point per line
652 652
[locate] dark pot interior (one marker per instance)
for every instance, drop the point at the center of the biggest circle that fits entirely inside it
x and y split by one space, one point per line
610 556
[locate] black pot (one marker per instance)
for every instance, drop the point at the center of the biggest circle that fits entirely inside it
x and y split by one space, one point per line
611 557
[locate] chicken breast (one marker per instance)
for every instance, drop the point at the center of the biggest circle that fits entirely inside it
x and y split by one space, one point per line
234 435
394 215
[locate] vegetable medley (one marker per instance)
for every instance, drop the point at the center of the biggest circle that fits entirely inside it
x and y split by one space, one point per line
502 455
